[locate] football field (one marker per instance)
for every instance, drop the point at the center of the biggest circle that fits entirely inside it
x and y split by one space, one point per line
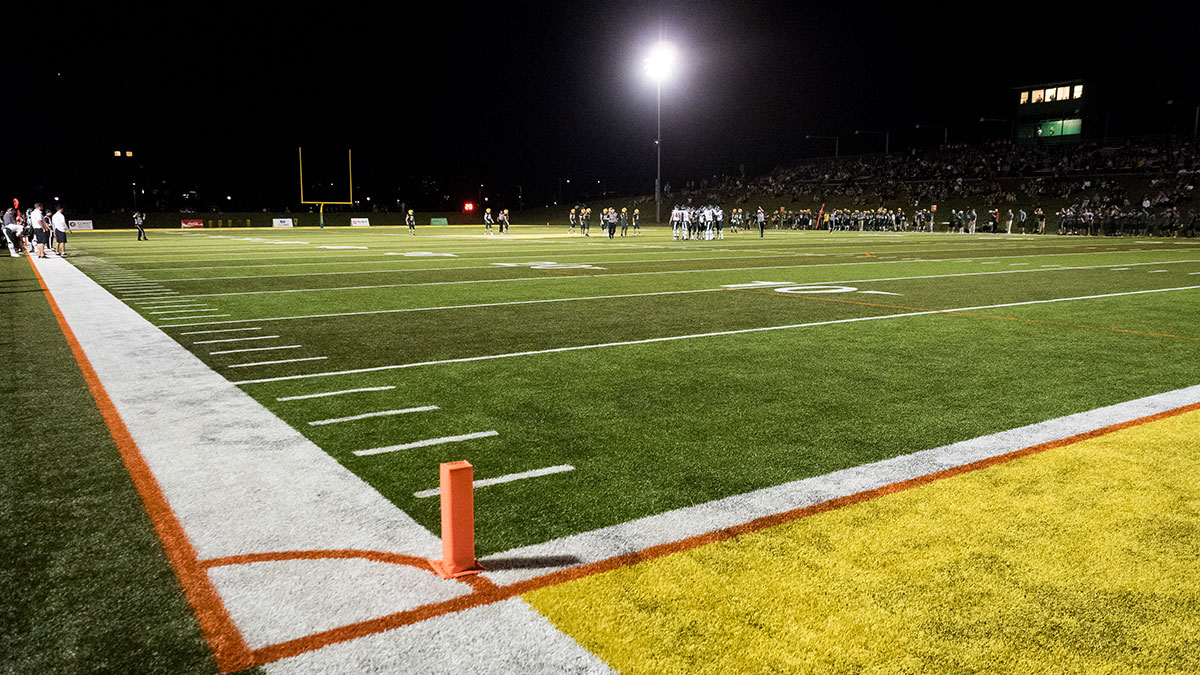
606 380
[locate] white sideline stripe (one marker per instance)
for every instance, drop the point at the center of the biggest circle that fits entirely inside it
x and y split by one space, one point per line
673 338
334 393
634 295
690 521
535 473
271 363
426 443
219 330
253 349
633 274
381 413
185 318
191 309
241 339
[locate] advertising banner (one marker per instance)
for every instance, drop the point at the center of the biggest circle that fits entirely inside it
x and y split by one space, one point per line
281 222
191 224
360 222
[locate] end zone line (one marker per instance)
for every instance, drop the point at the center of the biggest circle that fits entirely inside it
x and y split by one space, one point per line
508 478
672 338
381 413
426 443
333 393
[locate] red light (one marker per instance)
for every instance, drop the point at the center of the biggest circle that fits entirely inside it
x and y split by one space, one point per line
468 206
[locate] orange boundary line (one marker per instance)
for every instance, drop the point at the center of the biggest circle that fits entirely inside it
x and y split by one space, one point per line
488 596
229 649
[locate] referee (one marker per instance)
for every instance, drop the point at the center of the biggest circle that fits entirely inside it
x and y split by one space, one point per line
139 220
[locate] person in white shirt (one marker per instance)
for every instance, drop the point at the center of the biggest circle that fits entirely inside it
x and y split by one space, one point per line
12 232
59 222
33 223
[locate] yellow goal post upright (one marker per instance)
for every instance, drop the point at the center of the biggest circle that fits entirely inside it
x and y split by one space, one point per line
321 204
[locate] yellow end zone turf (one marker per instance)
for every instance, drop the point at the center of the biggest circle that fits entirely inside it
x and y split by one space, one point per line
1084 558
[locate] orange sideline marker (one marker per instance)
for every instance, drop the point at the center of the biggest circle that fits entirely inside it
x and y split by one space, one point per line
458 522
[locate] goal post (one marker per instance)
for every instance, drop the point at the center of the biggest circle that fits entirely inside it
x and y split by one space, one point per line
320 204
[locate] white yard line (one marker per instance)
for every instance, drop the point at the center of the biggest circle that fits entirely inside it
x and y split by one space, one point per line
272 363
241 339
692 336
220 330
253 349
606 275
635 295
325 394
508 478
187 318
427 442
191 309
381 413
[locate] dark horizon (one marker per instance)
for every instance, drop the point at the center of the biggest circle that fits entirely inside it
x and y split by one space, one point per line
531 95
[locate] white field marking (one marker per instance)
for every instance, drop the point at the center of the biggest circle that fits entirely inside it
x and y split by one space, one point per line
508 478
271 363
241 339
755 284
756 253
253 349
147 284
219 330
344 247
242 481
1155 271
880 293
192 310
381 413
1120 269
419 254
674 338
334 393
471 306
188 318
1193 273
157 291
492 266
161 303
613 274
1014 264
426 443
991 262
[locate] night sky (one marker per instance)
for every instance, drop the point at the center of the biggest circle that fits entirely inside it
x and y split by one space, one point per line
527 94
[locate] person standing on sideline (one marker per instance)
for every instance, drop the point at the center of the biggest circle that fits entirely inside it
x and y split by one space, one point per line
12 232
612 222
139 221
411 221
624 221
762 222
487 221
504 224
1008 218
41 231
637 230
33 225
59 223
571 229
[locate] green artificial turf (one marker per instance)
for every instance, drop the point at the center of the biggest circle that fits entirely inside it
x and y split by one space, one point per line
87 587
657 426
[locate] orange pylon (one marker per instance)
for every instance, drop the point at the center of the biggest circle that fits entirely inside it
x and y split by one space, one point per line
458 521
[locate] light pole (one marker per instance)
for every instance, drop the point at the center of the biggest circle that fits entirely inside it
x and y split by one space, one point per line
658 66
887 138
945 131
837 143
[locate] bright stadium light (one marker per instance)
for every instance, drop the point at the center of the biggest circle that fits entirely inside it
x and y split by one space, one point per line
659 64
661 60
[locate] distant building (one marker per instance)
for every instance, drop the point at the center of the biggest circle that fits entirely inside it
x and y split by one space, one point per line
1055 112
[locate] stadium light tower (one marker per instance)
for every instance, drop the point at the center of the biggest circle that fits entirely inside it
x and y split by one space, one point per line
659 64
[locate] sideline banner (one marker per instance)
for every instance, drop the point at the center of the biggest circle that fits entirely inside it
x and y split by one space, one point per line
191 224
281 222
439 221
360 222
80 224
